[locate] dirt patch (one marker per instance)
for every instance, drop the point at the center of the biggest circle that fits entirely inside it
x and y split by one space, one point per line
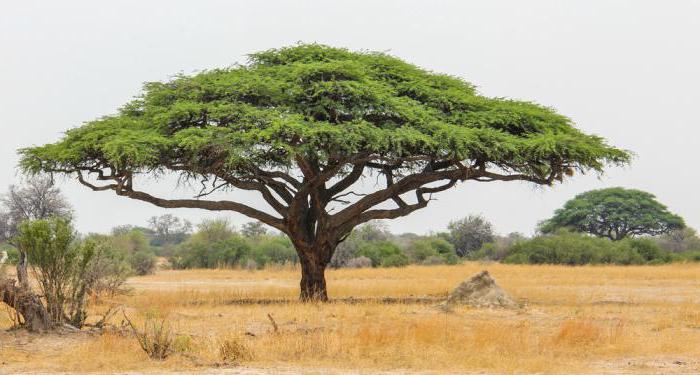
648 365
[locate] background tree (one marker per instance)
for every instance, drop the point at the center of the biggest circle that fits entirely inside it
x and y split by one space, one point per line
36 199
303 126
348 249
680 240
169 229
469 234
253 229
614 213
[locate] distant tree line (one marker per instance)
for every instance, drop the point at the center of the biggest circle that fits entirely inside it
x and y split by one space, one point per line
575 235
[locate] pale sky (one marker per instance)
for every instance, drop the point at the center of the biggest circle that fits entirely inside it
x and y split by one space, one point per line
626 70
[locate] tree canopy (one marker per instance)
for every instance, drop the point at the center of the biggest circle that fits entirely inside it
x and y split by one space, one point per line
302 125
614 213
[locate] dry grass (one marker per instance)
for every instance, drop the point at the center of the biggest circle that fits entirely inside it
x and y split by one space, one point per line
574 317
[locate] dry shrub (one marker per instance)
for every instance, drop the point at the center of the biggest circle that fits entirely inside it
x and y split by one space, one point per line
155 338
233 351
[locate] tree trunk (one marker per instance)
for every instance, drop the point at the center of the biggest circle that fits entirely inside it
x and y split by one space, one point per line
313 279
27 304
23 301
22 275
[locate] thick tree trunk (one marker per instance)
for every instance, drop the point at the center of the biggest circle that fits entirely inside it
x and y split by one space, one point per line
27 304
23 301
313 279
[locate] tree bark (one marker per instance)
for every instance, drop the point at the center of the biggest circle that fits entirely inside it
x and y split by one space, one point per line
313 279
23 301
27 304
22 275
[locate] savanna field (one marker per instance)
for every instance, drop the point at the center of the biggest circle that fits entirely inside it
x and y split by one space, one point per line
587 320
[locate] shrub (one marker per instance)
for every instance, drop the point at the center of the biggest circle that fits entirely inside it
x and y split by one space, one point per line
12 254
470 233
577 249
437 248
395 260
233 351
384 254
276 249
155 338
67 270
370 232
420 250
108 269
143 262
689 256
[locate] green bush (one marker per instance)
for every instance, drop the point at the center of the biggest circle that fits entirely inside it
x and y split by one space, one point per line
577 249
383 254
275 249
432 250
198 252
68 269
12 254
689 256
143 262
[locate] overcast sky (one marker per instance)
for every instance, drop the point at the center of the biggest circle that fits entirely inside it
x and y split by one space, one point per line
626 70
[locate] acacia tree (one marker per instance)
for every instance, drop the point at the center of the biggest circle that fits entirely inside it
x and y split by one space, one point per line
303 126
614 213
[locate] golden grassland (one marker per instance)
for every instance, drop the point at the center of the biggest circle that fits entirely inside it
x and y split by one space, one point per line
574 320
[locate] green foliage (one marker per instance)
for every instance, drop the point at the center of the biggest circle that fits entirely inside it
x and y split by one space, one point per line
314 99
201 252
108 269
498 249
614 213
216 244
54 260
348 249
12 253
253 230
143 262
276 250
131 242
690 256
679 241
383 254
67 270
432 250
133 246
578 249
469 234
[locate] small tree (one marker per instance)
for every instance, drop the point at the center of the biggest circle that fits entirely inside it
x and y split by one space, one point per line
36 199
614 213
59 265
303 127
469 234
